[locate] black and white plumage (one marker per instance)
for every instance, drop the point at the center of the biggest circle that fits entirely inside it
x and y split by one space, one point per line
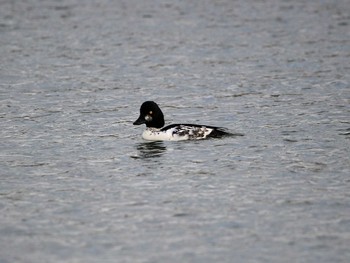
152 116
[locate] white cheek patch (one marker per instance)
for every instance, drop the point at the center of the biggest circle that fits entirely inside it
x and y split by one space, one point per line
148 117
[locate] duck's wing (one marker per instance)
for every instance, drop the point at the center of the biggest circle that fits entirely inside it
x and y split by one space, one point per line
196 131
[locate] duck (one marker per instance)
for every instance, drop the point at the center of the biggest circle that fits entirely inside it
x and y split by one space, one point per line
153 117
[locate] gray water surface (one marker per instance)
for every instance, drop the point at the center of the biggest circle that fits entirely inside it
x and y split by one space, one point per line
78 183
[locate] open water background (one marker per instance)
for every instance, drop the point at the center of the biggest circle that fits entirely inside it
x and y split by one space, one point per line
78 184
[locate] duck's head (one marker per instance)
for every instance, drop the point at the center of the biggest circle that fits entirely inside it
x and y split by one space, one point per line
151 115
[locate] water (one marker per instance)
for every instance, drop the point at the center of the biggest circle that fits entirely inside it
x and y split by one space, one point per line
78 184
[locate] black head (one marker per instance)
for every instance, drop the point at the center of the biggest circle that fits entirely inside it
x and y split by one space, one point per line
151 115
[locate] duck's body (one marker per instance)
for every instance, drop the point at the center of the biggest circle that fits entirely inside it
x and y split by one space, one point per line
152 116
181 132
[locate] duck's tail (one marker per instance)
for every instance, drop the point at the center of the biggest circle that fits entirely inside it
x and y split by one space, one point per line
219 132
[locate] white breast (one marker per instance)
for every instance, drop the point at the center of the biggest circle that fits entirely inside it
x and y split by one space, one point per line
178 133
157 135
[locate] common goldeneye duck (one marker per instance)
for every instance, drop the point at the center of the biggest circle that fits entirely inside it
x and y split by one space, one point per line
152 116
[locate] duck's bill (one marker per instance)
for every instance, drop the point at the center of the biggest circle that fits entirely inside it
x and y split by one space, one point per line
139 121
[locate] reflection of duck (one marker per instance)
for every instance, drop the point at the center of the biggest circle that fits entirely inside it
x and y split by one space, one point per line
150 149
152 116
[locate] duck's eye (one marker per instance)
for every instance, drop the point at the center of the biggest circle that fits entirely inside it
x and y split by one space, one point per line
150 112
